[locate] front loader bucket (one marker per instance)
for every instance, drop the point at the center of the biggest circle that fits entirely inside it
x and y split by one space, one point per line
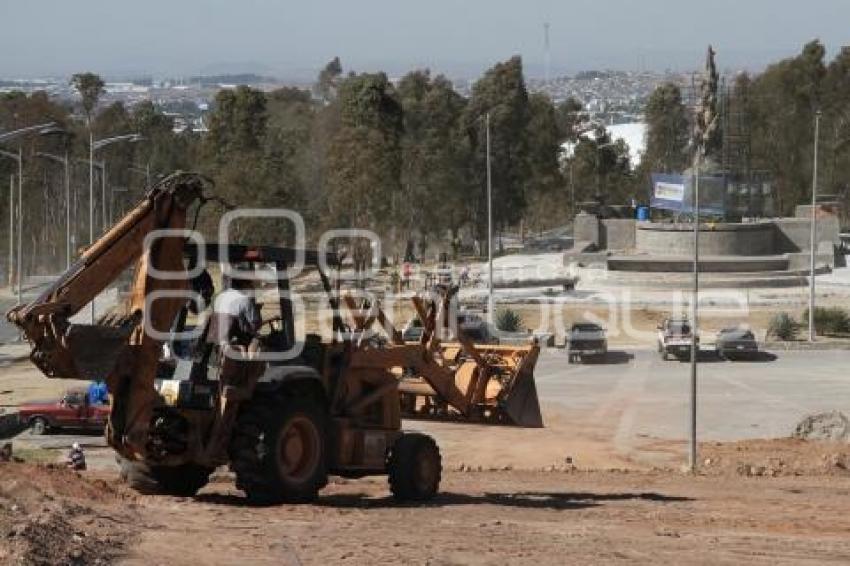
521 404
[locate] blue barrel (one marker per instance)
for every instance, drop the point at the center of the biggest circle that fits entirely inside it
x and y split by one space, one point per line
643 213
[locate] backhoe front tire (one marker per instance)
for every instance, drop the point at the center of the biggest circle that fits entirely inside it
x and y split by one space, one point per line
414 467
278 450
180 481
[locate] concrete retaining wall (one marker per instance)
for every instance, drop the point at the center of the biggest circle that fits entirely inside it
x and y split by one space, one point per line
719 239
617 234
586 229
793 235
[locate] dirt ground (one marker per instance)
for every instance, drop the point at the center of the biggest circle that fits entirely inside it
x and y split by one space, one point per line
760 502
50 515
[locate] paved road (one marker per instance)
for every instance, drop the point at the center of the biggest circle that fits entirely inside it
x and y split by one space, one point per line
646 396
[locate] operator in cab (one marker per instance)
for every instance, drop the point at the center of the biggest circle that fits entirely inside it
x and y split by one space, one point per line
236 314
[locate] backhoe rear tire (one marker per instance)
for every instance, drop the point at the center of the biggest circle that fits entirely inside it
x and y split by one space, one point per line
184 480
414 467
278 450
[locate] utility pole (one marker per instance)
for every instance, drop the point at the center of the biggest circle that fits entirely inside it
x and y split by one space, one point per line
547 54
489 222
91 199
692 437
813 236
67 211
20 222
11 229
103 219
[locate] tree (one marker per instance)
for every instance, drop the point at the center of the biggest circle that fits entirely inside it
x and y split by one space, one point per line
328 81
786 96
500 92
237 123
364 157
667 131
90 87
570 117
545 183
434 157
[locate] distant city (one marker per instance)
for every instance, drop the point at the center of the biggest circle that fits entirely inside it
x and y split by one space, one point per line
608 97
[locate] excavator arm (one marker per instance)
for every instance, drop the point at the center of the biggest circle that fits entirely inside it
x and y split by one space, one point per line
117 349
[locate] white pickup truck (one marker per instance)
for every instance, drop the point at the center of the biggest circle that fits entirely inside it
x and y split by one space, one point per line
674 338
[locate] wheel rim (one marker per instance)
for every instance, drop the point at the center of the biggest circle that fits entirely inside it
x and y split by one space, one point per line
298 449
39 426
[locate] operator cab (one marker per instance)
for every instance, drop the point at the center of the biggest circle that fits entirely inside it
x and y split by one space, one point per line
191 363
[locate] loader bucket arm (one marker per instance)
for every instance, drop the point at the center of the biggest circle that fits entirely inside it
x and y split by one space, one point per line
458 382
117 350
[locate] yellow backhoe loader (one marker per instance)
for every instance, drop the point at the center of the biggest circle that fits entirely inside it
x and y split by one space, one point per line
283 411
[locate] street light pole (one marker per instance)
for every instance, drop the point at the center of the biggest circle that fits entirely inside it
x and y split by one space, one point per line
103 221
91 199
67 211
692 436
11 227
8 136
813 236
93 145
20 222
15 212
489 221
66 162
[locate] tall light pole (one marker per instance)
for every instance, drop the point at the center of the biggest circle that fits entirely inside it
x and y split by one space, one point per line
11 228
813 236
9 136
93 146
692 429
18 157
65 161
14 269
489 221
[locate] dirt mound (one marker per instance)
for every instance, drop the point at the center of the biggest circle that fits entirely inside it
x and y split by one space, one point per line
775 457
832 426
50 515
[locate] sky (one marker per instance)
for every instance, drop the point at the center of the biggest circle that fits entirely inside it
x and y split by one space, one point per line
461 38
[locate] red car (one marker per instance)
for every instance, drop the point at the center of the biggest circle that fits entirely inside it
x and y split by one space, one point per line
73 410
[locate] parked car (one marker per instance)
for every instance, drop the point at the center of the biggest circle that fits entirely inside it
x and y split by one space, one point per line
72 410
473 325
586 340
674 338
735 343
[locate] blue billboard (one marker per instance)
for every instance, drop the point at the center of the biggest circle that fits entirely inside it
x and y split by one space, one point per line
676 193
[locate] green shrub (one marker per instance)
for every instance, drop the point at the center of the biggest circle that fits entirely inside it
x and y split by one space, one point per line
508 320
783 327
829 320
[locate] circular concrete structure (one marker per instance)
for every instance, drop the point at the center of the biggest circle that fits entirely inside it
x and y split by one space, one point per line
721 239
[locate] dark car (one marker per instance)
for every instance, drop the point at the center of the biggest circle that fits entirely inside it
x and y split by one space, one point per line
586 340
473 325
736 343
73 410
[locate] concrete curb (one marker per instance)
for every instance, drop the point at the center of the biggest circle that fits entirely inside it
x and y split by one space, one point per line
824 344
